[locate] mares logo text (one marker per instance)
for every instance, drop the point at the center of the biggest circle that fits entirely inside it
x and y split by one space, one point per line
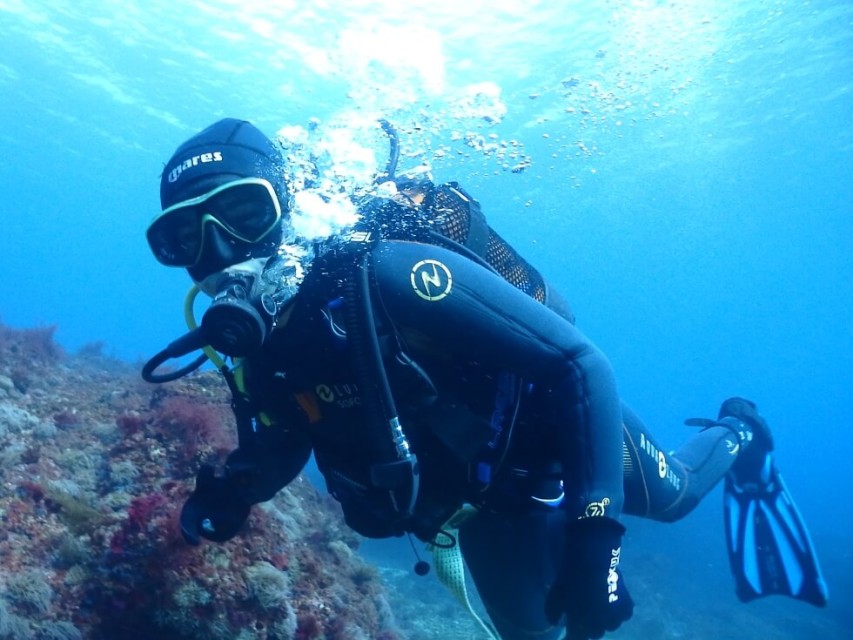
189 163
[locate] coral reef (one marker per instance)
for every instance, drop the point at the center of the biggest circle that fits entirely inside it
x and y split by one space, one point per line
95 467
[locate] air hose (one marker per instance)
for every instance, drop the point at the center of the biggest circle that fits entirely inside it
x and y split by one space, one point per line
187 343
397 471
393 152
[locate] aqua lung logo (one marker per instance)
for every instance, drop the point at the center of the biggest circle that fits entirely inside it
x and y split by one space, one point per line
664 469
431 280
344 395
189 163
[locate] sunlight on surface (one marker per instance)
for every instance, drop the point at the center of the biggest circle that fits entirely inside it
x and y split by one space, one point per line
453 74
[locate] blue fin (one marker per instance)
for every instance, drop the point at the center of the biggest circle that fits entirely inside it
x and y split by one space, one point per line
770 549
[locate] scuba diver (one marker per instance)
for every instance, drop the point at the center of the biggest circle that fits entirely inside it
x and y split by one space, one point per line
444 390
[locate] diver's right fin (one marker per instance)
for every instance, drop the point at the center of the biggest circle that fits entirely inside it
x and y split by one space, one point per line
770 550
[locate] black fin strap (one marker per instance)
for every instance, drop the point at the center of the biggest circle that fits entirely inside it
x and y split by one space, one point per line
702 423
727 423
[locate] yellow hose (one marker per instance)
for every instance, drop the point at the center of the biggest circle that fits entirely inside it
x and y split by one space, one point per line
450 567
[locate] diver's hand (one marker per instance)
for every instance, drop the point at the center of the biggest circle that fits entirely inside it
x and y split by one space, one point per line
216 509
590 589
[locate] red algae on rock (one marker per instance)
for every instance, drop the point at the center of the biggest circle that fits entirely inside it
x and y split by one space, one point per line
94 467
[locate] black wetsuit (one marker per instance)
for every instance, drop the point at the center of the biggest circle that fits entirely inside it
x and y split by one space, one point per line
505 403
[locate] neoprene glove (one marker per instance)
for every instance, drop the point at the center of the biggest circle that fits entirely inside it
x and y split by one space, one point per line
216 509
590 589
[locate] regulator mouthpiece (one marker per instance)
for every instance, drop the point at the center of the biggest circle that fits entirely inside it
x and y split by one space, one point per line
237 323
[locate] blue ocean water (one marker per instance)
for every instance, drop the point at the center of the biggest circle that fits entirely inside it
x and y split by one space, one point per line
689 185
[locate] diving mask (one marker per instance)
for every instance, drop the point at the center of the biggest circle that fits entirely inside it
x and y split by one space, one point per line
247 210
